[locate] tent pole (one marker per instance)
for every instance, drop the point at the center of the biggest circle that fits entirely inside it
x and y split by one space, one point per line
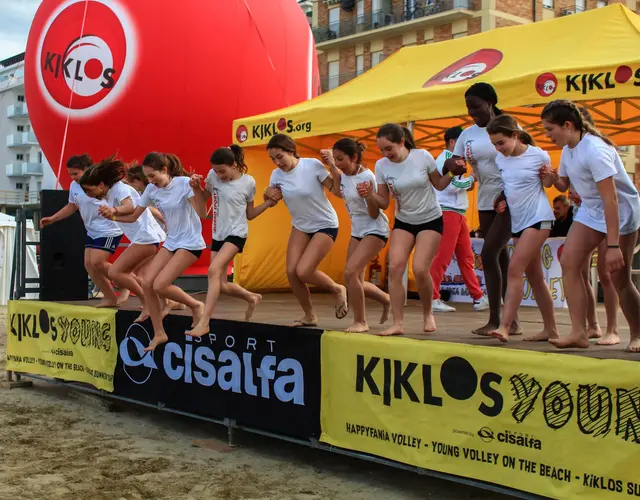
405 276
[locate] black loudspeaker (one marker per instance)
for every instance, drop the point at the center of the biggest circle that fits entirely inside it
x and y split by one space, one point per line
62 272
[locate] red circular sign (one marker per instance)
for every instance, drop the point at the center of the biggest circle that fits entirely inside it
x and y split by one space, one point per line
80 70
242 134
282 124
623 74
467 68
546 84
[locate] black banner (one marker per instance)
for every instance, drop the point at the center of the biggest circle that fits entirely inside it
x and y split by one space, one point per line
263 376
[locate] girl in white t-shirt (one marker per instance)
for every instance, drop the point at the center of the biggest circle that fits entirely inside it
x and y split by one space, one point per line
301 182
408 174
103 236
609 210
170 192
369 227
519 162
475 147
233 192
104 182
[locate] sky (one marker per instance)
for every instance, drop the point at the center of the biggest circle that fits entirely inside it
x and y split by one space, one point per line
15 21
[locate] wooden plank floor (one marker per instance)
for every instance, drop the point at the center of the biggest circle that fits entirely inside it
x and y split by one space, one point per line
282 308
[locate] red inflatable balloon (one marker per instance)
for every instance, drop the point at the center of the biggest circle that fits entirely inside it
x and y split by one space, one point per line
131 76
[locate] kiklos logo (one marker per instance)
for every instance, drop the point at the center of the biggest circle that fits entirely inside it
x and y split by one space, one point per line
586 83
86 56
467 68
546 84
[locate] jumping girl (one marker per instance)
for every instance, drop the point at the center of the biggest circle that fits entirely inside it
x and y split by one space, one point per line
592 165
520 162
369 227
475 147
301 182
103 235
170 192
103 182
408 174
233 192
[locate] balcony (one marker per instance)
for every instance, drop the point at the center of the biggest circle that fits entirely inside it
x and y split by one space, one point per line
21 139
24 169
331 82
19 197
29 139
373 20
19 110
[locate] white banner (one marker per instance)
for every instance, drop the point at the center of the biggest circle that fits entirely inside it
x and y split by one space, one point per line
551 252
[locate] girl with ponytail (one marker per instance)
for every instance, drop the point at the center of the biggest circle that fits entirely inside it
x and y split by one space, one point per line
170 192
474 146
409 175
233 192
104 182
609 212
520 163
369 227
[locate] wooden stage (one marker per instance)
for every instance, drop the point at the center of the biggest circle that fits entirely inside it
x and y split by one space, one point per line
282 309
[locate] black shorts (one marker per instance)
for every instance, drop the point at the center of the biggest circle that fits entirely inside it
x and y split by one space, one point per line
332 232
216 245
547 224
434 225
383 238
197 253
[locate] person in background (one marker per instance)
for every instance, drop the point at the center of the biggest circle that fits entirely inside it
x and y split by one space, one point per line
454 202
564 216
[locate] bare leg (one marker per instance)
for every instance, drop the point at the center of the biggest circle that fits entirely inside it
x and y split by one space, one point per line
580 243
152 299
298 242
371 291
360 253
611 302
593 325
307 271
399 251
235 290
426 247
628 293
544 300
99 268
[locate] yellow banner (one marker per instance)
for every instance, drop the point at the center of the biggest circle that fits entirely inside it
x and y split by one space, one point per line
64 341
557 425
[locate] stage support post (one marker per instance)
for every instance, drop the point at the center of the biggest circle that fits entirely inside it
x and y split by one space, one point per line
15 384
231 430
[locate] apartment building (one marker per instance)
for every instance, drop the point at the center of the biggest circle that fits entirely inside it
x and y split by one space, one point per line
24 170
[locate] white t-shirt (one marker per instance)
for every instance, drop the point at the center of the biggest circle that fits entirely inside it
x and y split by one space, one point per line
527 200
591 161
455 196
474 145
183 224
410 186
305 197
362 223
95 224
144 231
229 200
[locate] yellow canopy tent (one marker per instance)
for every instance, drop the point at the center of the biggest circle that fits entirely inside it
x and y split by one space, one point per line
590 57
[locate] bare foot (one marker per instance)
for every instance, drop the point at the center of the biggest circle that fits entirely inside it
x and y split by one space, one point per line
610 338
515 329
107 303
176 306
594 331
357 328
143 316
124 296
200 330
342 307
634 345
393 330
158 338
251 306
571 340
485 330
542 336
429 323
501 333
311 320
197 312
386 310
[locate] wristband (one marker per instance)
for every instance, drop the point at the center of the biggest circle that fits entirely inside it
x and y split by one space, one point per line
613 246
113 217
450 174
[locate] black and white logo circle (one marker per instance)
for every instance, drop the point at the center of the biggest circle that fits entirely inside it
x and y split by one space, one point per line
486 434
138 365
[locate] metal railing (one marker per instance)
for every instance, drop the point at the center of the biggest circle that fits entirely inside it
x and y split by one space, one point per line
18 197
372 20
24 169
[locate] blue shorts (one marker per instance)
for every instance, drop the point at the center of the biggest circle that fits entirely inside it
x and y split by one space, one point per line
108 244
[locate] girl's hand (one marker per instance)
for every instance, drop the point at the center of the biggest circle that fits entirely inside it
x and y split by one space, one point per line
575 198
614 260
501 207
273 193
457 166
271 203
365 189
327 156
106 211
195 181
548 173
46 221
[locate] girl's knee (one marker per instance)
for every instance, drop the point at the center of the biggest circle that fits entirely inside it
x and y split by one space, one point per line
304 274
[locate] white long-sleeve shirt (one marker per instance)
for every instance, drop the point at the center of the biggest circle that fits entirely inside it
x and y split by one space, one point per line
454 197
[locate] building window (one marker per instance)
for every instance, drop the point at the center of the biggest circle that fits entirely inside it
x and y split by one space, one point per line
459 35
20 98
377 57
360 11
39 156
359 65
19 185
334 20
580 5
20 156
601 3
547 4
20 128
39 186
334 75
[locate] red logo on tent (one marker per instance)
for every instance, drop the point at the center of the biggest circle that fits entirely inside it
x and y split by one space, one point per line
79 72
546 84
467 68
242 134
